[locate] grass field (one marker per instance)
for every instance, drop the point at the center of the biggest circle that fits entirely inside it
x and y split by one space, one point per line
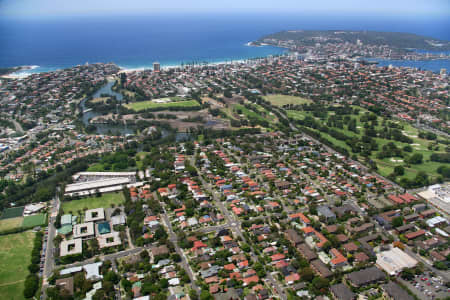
15 255
13 212
294 114
143 105
10 223
93 202
247 112
280 100
36 220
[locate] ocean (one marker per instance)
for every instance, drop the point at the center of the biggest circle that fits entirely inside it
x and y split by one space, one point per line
138 41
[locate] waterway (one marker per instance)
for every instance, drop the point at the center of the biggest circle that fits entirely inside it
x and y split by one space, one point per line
105 128
118 129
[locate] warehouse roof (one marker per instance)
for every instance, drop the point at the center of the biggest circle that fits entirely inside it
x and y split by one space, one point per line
394 261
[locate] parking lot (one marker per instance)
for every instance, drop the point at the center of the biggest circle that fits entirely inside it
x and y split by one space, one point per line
428 287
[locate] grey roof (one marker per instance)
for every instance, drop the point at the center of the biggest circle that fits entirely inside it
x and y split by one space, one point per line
342 292
118 220
320 267
306 252
396 292
366 276
210 272
93 271
325 211
70 270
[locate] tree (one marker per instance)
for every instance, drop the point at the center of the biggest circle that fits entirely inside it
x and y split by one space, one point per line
193 294
112 277
415 159
31 285
306 274
399 170
397 222
407 274
205 295
176 257
144 255
320 283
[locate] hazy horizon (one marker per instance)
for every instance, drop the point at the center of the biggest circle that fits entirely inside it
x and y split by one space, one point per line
57 8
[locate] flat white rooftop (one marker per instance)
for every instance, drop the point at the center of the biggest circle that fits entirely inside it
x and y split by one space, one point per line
83 230
95 184
395 260
438 195
109 240
103 190
93 215
71 247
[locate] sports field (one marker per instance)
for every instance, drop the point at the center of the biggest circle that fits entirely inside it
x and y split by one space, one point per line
93 202
10 223
143 105
280 100
15 256
36 220
13 212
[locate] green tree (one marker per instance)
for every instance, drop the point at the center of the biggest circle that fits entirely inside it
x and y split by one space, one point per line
397 222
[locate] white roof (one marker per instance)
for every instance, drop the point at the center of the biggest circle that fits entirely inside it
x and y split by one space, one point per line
394 261
95 184
88 230
112 174
93 270
77 247
90 214
174 281
436 220
70 270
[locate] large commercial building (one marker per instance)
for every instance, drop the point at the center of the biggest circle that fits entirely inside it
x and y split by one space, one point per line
394 261
156 66
89 183
438 195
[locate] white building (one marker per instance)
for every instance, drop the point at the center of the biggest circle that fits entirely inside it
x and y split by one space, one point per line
394 261
71 247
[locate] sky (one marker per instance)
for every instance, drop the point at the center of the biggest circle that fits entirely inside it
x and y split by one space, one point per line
43 8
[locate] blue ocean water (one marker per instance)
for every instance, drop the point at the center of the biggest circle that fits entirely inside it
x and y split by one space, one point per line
138 41
430 65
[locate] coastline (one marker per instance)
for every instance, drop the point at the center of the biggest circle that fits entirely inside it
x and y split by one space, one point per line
172 66
29 70
22 72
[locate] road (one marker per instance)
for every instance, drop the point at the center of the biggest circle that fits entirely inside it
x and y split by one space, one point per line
443 274
18 126
331 150
49 262
184 263
110 257
235 226
49 253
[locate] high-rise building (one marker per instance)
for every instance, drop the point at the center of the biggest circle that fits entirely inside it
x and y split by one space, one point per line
156 67
443 71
